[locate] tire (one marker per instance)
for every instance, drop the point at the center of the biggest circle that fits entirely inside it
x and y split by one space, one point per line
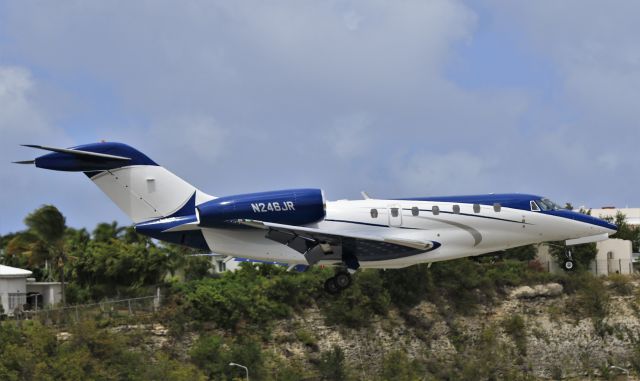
331 286
343 280
569 265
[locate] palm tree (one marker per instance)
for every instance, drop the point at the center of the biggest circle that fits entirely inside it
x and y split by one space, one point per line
48 226
105 232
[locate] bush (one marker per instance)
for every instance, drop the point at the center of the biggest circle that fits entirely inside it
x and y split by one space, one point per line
254 295
397 366
332 365
463 284
408 286
620 284
590 299
307 338
357 305
32 352
212 354
515 327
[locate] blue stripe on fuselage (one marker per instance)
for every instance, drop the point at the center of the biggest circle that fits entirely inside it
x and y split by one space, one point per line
507 200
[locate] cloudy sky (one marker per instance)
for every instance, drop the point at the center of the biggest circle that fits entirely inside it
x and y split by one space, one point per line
399 98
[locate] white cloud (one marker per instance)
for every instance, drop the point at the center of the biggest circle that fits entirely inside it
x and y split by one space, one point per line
23 121
196 137
212 55
18 117
351 135
455 172
593 46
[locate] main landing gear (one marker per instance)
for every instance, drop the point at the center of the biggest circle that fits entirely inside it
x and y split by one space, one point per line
569 264
342 279
338 282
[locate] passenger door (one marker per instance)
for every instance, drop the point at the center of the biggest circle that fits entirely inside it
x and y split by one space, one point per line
395 215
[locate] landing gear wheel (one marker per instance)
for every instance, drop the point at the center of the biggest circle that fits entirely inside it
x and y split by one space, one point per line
331 286
569 265
343 279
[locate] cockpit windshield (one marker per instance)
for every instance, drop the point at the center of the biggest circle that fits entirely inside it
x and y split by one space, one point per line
546 204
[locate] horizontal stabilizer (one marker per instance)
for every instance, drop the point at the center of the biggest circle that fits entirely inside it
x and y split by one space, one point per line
78 152
184 227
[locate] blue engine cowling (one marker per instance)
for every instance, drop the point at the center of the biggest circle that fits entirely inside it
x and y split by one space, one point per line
289 207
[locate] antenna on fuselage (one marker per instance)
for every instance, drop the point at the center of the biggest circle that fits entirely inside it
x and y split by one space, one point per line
365 195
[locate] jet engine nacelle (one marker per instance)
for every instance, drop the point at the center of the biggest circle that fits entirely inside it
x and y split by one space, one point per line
289 207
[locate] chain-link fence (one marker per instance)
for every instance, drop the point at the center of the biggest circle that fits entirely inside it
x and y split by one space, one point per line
123 311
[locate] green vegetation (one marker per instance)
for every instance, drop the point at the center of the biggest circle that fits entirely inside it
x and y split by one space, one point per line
515 327
33 352
332 366
626 231
397 366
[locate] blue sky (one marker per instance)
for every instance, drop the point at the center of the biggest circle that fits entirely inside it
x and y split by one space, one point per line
399 98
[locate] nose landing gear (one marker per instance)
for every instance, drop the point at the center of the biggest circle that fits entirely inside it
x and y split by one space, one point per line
569 264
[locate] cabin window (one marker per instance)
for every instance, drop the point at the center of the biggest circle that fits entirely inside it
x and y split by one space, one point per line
374 213
497 207
534 207
435 210
394 212
476 208
456 209
415 211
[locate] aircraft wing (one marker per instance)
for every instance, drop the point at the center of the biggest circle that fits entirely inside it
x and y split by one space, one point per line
316 243
314 233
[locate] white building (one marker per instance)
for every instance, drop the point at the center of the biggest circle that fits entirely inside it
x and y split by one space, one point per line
13 288
632 214
614 255
42 294
18 291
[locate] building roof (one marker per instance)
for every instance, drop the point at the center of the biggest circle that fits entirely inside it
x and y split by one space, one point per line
632 214
13 272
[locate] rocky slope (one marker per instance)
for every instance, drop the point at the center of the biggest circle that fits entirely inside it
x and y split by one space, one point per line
550 343
540 332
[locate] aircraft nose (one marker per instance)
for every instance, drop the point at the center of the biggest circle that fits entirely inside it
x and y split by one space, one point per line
603 225
597 224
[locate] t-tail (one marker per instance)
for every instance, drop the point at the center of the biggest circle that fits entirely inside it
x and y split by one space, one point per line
141 188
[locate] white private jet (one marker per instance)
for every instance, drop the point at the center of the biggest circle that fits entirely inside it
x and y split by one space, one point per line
298 226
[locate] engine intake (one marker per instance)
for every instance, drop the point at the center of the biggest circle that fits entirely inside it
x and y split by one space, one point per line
289 207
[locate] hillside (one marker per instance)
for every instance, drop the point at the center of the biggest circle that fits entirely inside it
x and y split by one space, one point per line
283 328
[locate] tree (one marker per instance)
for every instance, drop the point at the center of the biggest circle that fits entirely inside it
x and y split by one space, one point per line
4 241
521 253
105 232
48 226
625 231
